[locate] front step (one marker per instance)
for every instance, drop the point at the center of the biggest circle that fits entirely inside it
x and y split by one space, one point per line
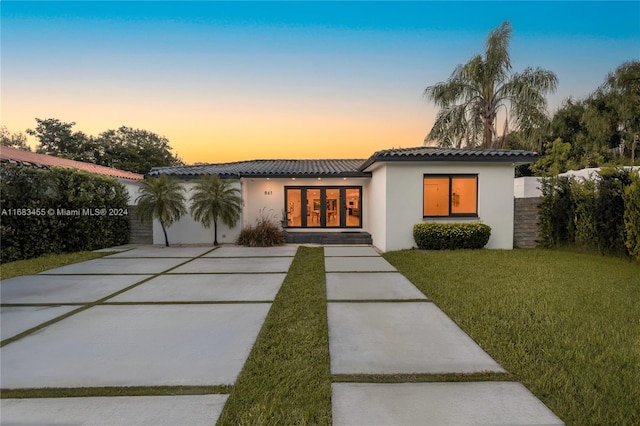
326 238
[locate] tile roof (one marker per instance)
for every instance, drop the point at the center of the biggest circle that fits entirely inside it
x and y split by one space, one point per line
426 153
342 168
27 158
269 168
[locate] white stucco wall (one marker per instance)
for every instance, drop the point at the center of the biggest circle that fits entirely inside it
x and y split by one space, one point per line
267 196
377 206
403 201
188 231
527 187
133 188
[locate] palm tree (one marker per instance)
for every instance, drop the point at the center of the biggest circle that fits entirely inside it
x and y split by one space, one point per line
471 99
215 199
161 198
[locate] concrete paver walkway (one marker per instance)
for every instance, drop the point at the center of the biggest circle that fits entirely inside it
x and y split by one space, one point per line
114 411
189 316
153 326
371 336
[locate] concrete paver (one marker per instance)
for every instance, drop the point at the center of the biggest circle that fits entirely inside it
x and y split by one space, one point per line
141 345
106 265
60 289
370 286
478 403
118 410
205 287
400 337
333 251
241 251
16 319
357 264
161 251
236 265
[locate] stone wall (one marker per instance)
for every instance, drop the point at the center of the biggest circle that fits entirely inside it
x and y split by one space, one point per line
525 222
139 233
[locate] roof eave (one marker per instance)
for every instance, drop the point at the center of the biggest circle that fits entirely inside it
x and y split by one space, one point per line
516 159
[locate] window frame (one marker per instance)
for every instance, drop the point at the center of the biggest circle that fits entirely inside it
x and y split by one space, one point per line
450 177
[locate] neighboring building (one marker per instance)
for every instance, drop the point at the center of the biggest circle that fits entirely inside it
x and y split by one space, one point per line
384 195
139 233
16 156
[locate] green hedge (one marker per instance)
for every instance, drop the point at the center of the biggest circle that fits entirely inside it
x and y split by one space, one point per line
59 210
600 214
451 236
632 217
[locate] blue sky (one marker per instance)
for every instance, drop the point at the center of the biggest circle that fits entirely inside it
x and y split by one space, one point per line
241 80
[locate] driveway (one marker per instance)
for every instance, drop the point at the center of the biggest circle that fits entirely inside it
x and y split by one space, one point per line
146 317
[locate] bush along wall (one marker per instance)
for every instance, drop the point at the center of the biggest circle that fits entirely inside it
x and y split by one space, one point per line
601 215
59 210
451 236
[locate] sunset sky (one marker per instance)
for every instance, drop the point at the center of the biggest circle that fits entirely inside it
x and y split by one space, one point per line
240 81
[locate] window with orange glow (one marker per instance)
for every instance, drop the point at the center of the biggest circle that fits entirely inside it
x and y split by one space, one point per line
450 195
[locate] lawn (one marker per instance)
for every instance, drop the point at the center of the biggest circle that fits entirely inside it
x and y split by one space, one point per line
287 379
564 324
43 263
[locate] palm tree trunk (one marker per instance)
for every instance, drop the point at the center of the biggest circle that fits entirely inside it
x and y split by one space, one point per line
166 240
215 233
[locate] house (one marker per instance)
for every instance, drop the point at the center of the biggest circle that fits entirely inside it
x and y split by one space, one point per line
139 232
382 196
27 158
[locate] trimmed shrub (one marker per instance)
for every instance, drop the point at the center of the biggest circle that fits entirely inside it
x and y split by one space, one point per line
265 233
34 203
451 236
632 217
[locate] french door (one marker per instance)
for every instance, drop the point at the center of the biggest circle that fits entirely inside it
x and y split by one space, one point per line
323 206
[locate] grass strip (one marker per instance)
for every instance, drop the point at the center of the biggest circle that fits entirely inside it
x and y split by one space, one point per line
564 324
379 301
423 378
286 378
114 391
49 261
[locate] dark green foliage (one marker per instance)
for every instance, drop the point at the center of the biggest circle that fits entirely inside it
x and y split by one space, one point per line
33 222
590 214
451 236
556 212
632 217
135 150
266 233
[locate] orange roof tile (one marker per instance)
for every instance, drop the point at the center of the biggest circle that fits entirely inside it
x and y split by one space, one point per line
12 155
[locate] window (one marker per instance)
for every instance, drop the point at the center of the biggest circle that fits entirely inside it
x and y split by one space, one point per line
450 195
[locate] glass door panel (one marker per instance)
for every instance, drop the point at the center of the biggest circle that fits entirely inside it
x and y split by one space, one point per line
353 208
332 211
294 207
314 206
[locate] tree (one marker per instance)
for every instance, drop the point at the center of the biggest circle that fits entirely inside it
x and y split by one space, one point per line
58 138
135 150
623 91
15 140
161 198
215 199
471 99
